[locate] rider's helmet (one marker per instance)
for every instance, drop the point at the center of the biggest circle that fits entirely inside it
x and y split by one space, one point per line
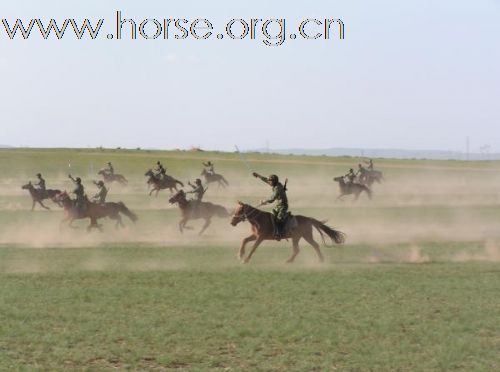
209 163
273 179
38 175
100 183
158 162
351 170
109 163
198 182
360 166
78 180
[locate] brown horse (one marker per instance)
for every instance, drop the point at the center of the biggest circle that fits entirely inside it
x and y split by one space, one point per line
371 176
210 178
37 195
110 178
95 211
351 188
203 211
263 229
158 184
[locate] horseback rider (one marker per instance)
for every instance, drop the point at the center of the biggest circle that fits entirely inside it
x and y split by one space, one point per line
370 164
198 192
209 167
362 172
159 170
351 176
100 197
280 210
40 184
110 169
79 191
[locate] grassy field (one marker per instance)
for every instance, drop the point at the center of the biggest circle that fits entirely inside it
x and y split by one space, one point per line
415 287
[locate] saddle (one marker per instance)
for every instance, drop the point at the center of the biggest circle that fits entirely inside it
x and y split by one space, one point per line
288 224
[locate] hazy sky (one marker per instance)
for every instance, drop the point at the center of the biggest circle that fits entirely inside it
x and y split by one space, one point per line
412 74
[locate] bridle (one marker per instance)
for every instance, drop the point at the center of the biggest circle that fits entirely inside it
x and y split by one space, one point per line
246 215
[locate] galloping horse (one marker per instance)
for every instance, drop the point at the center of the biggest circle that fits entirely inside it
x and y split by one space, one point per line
166 182
204 210
109 178
38 196
263 229
371 177
94 211
351 188
210 178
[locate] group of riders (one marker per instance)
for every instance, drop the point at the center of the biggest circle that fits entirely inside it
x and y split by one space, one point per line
361 175
278 196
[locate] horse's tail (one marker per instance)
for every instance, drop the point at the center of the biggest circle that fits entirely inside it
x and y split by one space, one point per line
224 180
335 235
179 182
123 179
220 211
127 212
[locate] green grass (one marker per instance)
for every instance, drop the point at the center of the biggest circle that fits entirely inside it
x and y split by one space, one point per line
210 313
415 287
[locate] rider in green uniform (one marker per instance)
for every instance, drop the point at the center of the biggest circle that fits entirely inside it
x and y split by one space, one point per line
79 191
159 170
362 172
209 167
198 192
280 210
351 176
110 169
100 197
40 184
370 165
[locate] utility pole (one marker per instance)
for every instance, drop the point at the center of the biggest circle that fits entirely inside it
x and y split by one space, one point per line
467 148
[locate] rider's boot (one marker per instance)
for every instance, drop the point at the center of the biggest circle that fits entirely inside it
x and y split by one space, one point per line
278 231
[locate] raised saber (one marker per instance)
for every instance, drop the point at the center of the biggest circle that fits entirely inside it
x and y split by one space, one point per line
244 160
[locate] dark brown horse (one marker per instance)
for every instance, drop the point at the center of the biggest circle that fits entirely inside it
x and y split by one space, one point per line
110 178
158 184
263 229
211 178
203 211
95 211
351 188
37 195
371 176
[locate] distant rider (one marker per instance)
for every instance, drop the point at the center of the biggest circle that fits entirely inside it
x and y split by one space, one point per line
209 167
159 170
110 169
100 197
79 191
351 176
198 192
362 172
40 184
370 165
280 210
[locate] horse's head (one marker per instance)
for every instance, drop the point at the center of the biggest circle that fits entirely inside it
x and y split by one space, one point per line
149 173
240 214
28 186
101 172
338 179
63 198
179 196
203 172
